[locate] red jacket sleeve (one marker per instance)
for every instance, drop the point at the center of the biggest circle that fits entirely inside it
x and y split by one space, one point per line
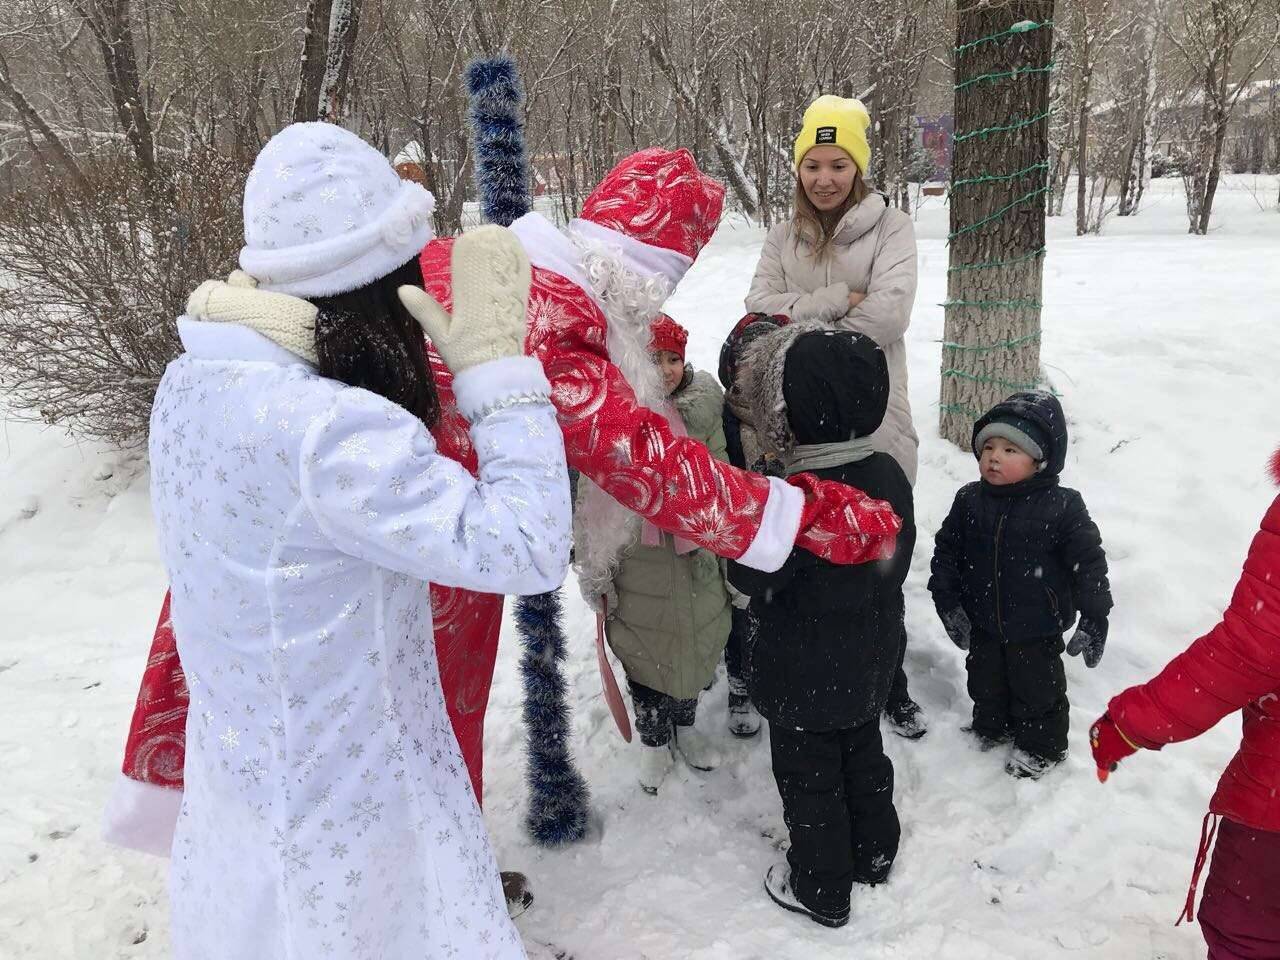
631 453
1231 666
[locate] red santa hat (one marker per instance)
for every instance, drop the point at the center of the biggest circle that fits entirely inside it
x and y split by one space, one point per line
658 208
669 335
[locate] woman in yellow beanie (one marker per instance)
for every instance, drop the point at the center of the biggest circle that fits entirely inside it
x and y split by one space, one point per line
847 260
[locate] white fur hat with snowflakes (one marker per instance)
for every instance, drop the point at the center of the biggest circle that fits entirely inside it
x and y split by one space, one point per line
326 213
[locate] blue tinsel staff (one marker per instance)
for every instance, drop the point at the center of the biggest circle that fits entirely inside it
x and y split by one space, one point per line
558 796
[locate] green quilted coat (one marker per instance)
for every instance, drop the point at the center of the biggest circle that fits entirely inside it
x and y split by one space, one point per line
672 620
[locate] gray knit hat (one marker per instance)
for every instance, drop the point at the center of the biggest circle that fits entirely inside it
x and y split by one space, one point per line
1024 434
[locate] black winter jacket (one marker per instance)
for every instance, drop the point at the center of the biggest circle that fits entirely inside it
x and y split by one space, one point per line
827 639
1024 559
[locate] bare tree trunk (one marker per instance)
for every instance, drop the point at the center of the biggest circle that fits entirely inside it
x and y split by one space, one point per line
1082 159
1210 47
32 121
315 48
1062 127
710 123
109 22
344 24
991 342
1137 169
1214 172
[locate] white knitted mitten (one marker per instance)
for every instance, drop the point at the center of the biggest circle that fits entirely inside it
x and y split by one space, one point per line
491 278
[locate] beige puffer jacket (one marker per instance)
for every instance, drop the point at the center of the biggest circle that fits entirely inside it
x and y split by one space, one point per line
875 253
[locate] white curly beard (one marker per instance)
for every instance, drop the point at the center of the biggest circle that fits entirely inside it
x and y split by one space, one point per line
630 301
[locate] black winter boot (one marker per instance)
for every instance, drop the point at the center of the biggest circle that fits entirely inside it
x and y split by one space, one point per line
777 884
906 718
515 889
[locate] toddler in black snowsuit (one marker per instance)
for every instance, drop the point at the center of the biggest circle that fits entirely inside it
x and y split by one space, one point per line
1014 560
827 637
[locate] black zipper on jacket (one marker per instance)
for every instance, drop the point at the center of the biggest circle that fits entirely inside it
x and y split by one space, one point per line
996 577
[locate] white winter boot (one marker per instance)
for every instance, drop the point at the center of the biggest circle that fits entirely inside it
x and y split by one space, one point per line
777 884
655 764
696 748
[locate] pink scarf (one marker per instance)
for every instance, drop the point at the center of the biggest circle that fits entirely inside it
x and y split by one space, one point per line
651 536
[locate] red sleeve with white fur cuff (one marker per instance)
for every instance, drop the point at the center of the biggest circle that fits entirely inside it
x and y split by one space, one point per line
779 525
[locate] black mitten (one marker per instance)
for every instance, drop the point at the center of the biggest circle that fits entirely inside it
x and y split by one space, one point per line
1090 639
956 622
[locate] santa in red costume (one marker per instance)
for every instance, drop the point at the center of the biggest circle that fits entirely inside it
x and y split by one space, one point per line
596 287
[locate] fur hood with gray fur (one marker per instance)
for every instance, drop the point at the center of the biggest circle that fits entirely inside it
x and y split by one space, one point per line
757 398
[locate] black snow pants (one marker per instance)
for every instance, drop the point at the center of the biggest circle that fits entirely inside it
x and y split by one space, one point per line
657 713
837 801
1019 688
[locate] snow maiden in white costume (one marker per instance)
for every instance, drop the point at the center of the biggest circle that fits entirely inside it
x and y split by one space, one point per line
327 811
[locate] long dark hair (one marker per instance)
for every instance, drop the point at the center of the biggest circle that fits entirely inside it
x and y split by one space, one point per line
366 338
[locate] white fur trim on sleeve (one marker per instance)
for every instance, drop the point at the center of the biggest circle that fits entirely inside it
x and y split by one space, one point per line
779 526
482 389
652 261
141 816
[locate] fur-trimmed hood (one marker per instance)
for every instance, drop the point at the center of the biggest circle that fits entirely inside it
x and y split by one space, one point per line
757 398
1275 467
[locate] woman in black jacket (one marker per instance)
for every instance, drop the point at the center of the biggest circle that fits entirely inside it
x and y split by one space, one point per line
827 639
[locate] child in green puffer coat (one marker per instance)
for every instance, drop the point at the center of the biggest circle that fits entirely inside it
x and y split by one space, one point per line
667 606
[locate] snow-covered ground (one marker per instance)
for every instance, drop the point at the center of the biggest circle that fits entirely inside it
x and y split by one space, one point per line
1165 349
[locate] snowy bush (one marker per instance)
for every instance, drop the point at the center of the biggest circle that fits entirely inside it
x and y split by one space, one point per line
93 277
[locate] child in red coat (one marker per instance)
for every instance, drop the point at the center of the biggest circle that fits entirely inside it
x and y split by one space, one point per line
1235 666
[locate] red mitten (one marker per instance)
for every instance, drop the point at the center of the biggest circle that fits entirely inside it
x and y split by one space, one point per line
842 524
1110 746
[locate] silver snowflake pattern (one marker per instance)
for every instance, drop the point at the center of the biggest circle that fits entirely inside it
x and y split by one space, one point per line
354 446
366 812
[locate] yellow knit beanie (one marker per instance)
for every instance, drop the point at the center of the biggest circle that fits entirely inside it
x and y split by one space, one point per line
838 122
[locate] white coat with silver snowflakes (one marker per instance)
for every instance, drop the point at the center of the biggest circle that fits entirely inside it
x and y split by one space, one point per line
327 810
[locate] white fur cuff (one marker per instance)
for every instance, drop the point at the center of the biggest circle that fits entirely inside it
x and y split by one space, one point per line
141 816
487 387
779 526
